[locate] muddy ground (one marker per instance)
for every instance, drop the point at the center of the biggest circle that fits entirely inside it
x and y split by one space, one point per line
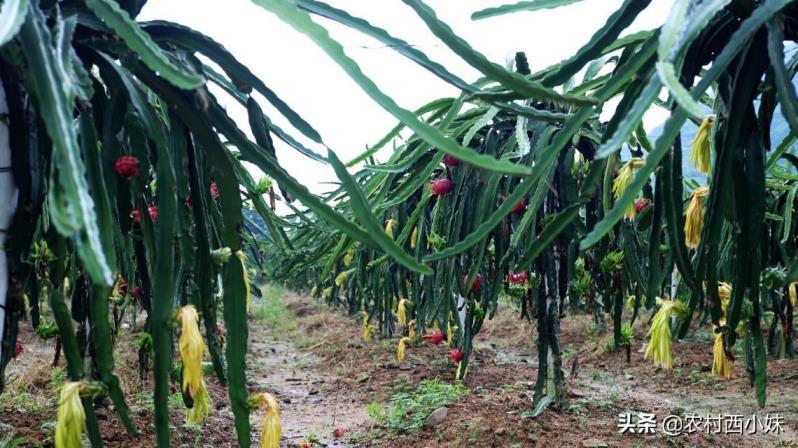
326 378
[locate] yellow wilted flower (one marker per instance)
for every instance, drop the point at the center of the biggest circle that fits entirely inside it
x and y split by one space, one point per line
349 256
326 292
793 293
199 412
414 237
630 303
120 287
243 258
401 311
389 226
192 347
368 330
314 290
694 217
721 362
450 329
221 256
70 417
625 176
411 329
659 344
460 372
341 278
400 349
724 291
272 426
700 155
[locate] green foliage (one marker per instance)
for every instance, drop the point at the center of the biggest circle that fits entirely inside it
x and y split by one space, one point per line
410 409
626 334
271 311
377 412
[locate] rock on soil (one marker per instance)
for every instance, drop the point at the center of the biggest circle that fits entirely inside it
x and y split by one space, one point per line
437 417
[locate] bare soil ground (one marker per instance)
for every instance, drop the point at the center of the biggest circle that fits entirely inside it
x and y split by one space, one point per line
312 358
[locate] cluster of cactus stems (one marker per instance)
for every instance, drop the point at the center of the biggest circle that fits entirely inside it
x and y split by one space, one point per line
519 175
133 207
132 198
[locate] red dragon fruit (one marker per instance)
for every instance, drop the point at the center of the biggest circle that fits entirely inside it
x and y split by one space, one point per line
450 160
127 167
434 337
153 211
520 206
517 278
456 355
441 187
641 205
477 285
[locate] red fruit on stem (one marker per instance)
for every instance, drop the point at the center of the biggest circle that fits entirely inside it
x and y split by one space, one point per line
17 350
477 285
136 216
456 355
339 432
434 337
136 292
641 204
520 206
214 190
441 187
517 279
153 211
127 167
450 160
220 330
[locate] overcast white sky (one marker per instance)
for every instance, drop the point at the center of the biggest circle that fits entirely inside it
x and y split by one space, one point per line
314 86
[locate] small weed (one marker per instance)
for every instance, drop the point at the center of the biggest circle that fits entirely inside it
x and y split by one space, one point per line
143 399
518 386
25 401
176 400
608 344
576 407
57 378
271 311
312 438
361 437
409 410
12 440
473 434
377 412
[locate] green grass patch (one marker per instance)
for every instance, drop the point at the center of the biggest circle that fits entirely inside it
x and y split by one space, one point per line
377 412
271 311
409 410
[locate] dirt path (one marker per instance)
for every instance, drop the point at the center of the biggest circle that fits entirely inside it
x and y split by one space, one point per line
313 403
312 358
